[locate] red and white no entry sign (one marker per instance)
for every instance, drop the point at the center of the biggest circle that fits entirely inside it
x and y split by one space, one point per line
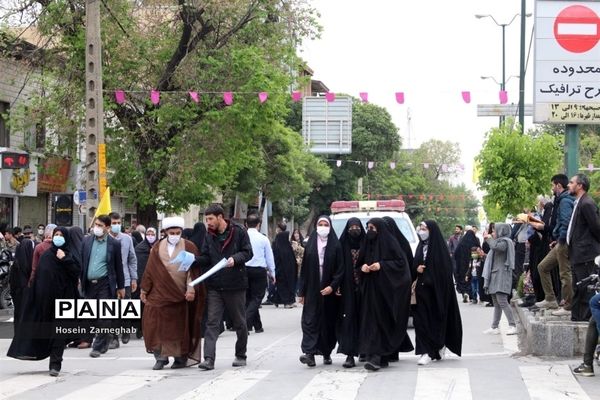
577 29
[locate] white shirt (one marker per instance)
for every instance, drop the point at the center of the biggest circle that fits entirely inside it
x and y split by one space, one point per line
262 254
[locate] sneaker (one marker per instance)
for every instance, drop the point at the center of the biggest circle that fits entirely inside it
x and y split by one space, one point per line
492 331
584 370
207 364
512 330
53 372
442 353
239 362
94 354
547 304
424 360
561 312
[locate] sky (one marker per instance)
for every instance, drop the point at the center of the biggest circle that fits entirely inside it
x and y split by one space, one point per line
430 50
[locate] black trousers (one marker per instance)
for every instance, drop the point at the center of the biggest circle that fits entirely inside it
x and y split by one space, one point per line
591 341
99 291
234 301
581 295
257 285
56 352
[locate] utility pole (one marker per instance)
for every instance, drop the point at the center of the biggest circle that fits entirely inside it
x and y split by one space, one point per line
522 70
94 109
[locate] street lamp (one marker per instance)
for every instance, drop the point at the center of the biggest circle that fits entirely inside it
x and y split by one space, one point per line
503 26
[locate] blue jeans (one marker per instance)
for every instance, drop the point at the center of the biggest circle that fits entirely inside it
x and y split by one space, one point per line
595 309
474 288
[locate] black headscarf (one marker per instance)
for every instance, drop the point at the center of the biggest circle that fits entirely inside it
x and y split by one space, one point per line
137 238
76 243
198 235
187 233
383 247
285 264
348 241
64 247
19 275
462 255
404 244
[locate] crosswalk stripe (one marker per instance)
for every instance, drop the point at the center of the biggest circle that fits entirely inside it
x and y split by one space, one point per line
228 385
337 385
22 383
443 383
116 386
552 382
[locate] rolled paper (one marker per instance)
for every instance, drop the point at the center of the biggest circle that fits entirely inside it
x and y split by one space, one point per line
155 97
217 267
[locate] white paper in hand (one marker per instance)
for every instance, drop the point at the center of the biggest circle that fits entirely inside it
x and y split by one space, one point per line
218 266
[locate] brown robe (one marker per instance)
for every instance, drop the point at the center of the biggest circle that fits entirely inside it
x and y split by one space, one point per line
171 325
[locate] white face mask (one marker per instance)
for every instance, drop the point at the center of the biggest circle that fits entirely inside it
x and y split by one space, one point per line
424 235
323 231
151 238
99 232
174 239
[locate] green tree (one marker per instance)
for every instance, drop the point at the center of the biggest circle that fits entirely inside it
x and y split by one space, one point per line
168 156
515 168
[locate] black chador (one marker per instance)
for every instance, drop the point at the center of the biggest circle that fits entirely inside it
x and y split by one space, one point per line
351 239
462 255
322 272
285 266
384 296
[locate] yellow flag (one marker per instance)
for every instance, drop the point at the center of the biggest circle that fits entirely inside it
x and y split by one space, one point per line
476 171
104 207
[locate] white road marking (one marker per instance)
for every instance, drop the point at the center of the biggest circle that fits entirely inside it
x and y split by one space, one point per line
552 382
227 386
22 383
443 383
334 385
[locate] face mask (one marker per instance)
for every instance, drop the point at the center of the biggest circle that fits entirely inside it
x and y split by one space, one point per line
174 239
371 235
151 238
41 232
58 241
474 255
323 231
354 233
99 232
424 235
115 228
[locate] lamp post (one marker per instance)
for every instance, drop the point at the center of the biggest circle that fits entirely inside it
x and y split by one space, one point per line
503 26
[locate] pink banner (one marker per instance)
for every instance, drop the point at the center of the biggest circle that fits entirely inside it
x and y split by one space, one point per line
194 96
400 97
330 96
466 95
228 98
155 97
296 96
364 96
503 97
262 97
120 96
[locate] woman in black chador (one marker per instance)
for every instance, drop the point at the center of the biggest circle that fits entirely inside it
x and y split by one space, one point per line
320 277
436 315
350 240
56 278
384 296
462 255
19 275
285 267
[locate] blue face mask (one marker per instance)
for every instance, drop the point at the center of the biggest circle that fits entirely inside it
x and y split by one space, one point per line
115 228
58 241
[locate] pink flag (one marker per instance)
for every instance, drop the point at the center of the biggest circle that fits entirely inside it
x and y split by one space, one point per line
400 97
120 96
364 96
393 165
338 163
371 164
503 97
228 98
466 95
330 96
296 96
262 97
194 96
155 97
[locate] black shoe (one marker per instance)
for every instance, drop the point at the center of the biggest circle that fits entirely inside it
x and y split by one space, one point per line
114 344
179 364
465 298
138 334
584 370
349 363
259 330
207 364
95 353
239 362
308 359
327 360
158 365
384 364
393 358
362 358
372 366
54 372
125 338
266 303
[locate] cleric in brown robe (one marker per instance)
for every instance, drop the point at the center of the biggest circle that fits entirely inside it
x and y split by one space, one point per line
173 310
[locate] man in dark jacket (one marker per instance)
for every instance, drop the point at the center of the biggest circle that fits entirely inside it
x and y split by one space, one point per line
102 274
583 238
559 253
226 290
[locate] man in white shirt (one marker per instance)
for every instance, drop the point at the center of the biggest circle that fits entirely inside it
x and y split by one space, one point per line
256 270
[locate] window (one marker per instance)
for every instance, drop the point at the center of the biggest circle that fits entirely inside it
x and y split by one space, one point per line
4 131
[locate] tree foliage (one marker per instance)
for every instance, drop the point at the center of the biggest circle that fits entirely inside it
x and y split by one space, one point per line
515 168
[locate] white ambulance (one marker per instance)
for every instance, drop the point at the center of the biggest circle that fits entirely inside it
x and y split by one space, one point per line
341 211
